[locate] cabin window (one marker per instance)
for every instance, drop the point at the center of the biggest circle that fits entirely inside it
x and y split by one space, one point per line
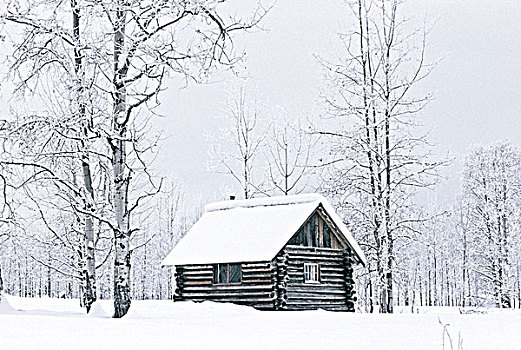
311 273
227 273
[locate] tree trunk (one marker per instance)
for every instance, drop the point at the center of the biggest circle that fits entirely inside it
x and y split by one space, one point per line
1 284
90 294
119 157
121 238
89 265
518 285
371 297
389 292
49 287
421 293
435 283
144 275
465 271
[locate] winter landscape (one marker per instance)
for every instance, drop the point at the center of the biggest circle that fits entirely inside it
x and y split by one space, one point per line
260 174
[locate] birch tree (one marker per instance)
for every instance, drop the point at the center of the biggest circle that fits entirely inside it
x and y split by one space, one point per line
129 49
51 57
378 156
147 46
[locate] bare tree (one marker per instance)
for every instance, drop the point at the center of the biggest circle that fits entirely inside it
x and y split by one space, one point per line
289 151
462 225
378 157
166 217
238 150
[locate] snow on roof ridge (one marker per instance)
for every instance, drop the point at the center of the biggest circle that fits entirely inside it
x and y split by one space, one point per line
264 201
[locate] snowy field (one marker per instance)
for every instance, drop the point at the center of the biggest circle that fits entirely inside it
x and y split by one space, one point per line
61 324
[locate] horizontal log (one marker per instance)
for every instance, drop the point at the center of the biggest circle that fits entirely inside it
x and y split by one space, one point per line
300 263
256 273
249 284
325 279
198 278
337 308
243 295
258 281
264 306
235 300
312 249
252 271
307 307
298 285
299 308
322 274
196 273
324 255
228 296
191 283
256 265
228 287
304 258
333 275
314 303
304 288
330 299
332 269
194 267
249 294
245 278
291 290
316 259
316 286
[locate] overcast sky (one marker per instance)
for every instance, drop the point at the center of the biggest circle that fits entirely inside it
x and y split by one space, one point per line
476 85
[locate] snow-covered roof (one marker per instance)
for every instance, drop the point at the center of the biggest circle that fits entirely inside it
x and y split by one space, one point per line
250 230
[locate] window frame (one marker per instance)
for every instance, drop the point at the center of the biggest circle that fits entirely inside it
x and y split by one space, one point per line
216 269
311 271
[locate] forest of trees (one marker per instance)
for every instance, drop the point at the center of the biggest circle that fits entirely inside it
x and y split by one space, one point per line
84 214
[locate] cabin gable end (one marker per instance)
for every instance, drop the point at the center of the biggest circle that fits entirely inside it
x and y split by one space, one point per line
319 231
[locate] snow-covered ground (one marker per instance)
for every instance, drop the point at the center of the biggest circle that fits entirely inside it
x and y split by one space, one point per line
61 324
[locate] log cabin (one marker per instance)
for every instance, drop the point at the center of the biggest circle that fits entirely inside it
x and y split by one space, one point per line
276 253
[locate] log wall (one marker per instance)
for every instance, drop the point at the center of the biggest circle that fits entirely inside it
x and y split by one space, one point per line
335 290
195 282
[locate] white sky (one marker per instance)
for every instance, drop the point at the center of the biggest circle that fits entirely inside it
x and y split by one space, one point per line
476 86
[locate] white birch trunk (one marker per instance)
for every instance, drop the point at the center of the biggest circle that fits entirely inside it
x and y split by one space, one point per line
89 266
121 234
